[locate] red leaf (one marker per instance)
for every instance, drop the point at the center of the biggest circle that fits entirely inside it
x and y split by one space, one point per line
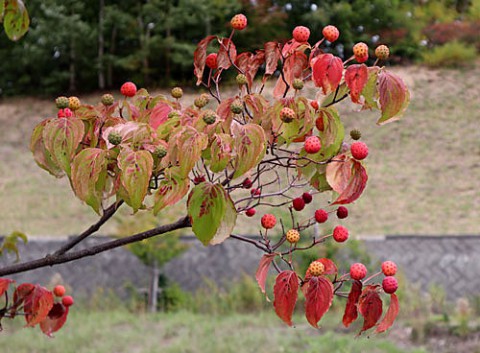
22 292
327 72
347 177
293 67
159 114
272 55
262 271
199 57
356 77
4 283
390 316
351 312
253 65
243 60
330 268
37 305
319 298
370 306
286 293
394 97
223 59
55 320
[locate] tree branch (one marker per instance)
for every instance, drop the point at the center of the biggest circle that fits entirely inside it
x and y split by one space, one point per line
51 260
107 214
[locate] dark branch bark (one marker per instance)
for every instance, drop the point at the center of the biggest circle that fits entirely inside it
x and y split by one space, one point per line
107 214
51 260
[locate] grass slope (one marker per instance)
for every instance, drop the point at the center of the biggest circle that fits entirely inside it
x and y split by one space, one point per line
423 169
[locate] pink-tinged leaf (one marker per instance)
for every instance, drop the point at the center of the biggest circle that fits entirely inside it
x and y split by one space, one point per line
242 60
356 77
253 65
199 57
390 316
136 167
319 297
37 305
262 270
55 319
327 72
170 191
227 54
257 106
125 130
347 177
272 56
225 113
89 174
42 157
211 212
370 307
249 143
351 312
61 138
293 46
221 152
293 67
4 283
394 97
185 149
285 292
22 292
159 114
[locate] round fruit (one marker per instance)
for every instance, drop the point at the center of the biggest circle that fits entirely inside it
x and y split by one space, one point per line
301 33
342 212
236 107
307 197
321 216
239 22
382 52
211 60
250 212
74 103
255 192
316 268
268 221
298 204
241 79
128 89
115 138
319 123
293 236
390 284
209 116
312 144
59 291
201 101
287 115
389 268
355 134
340 234
330 33
160 151
297 84
360 51
314 104
358 271
107 99
247 183
177 92
67 301
62 102
359 150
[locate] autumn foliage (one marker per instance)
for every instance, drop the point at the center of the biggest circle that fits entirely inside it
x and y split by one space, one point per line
225 156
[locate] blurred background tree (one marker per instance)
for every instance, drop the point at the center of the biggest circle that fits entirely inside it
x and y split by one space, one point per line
98 44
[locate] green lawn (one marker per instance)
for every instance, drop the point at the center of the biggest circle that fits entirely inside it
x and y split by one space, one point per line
183 332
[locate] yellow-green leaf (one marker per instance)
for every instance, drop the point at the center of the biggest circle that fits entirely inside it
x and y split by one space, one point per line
42 157
220 152
15 19
249 142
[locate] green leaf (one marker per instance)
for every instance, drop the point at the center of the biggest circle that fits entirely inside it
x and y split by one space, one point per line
332 135
185 149
62 137
220 152
211 212
370 92
2 9
136 167
249 142
394 97
15 19
319 182
89 174
170 191
10 243
42 157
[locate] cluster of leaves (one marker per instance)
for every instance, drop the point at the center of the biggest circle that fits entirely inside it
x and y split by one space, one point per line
36 303
151 151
